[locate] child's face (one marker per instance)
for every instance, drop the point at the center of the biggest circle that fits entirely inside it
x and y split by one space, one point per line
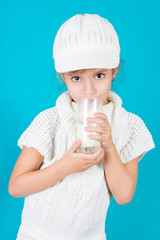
89 83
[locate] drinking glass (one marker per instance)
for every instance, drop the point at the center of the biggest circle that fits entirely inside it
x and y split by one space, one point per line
86 109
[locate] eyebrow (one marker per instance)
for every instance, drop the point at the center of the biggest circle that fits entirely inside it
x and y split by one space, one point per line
79 72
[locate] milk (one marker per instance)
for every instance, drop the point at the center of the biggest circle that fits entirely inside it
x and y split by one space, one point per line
86 108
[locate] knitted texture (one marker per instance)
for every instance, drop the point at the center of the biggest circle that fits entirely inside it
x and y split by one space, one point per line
90 40
137 141
40 133
76 207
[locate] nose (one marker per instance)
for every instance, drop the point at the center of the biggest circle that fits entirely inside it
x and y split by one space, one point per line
89 88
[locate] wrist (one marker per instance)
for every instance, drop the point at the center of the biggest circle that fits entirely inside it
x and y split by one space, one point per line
64 164
110 148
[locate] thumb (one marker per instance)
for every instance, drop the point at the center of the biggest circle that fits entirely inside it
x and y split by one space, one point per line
76 145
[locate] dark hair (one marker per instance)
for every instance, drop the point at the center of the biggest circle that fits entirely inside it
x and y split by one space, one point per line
62 86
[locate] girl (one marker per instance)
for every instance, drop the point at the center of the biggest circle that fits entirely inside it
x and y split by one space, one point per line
67 194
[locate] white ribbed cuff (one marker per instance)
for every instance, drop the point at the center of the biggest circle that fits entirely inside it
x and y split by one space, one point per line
104 57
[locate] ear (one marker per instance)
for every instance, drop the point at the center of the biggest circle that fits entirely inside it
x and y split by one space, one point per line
62 75
114 72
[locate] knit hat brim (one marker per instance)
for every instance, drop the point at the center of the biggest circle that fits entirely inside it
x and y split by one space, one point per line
103 57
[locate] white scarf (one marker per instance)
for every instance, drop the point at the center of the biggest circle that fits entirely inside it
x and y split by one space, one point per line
66 123
115 113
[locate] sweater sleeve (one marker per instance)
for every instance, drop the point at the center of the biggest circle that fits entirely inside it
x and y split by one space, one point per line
39 133
138 140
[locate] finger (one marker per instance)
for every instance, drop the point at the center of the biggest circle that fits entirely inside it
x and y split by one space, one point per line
95 129
93 156
99 121
96 160
95 137
100 115
75 146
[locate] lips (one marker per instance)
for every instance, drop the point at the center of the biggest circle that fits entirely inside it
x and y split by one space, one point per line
90 100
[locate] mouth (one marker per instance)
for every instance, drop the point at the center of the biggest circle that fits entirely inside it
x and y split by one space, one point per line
90 100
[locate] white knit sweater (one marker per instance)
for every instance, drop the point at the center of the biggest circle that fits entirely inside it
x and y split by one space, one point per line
75 208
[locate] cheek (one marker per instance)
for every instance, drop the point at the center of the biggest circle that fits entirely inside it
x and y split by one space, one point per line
73 92
105 89
106 86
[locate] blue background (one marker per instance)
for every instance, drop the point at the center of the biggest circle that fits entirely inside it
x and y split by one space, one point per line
28 85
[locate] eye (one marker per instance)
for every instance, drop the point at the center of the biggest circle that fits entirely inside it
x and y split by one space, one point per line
100 74
75 78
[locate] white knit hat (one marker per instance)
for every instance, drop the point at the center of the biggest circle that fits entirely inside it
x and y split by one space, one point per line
86 41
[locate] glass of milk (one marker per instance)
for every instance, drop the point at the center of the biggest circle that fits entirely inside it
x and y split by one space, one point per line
86 109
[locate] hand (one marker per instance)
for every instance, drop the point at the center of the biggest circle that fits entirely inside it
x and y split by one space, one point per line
104 130
78 162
